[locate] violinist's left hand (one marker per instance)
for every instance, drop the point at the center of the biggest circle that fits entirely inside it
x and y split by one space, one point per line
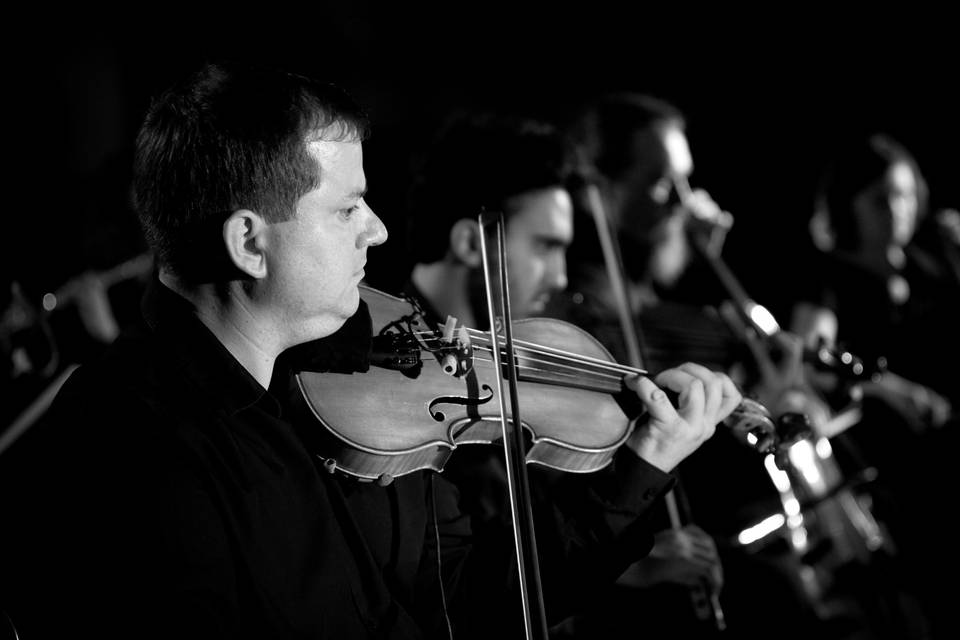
670 433
920 407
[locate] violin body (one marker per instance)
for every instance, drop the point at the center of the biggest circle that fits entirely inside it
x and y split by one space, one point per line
402 417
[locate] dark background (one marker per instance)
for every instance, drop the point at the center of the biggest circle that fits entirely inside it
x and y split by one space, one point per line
766 96
767 93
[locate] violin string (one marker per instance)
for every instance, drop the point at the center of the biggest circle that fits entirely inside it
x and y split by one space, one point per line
607 383
743 408
483 335
611 371
482 340
547 358
696 344
597 373
607 373
559 368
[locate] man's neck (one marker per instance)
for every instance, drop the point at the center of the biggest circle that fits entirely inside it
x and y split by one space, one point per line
230 317
446 287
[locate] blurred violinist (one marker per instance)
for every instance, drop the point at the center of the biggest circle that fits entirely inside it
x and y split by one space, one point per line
665 231
886 288
641 161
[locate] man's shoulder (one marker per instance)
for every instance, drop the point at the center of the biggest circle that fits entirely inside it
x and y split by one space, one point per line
136 365
137 391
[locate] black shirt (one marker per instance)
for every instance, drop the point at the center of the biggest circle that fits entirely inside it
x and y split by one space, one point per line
175 497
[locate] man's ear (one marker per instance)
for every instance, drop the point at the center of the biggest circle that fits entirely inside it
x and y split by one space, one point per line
465 242
245 241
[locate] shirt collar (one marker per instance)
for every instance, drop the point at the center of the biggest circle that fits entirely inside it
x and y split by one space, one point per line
202 358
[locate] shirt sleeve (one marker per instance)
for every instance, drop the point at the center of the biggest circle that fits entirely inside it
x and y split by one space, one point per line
588 529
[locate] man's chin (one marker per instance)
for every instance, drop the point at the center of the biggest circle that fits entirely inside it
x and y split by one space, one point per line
332 322
352 303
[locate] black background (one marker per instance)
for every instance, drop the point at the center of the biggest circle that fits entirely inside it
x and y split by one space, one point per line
766 94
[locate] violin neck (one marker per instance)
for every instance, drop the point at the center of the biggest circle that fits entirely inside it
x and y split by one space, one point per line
580 381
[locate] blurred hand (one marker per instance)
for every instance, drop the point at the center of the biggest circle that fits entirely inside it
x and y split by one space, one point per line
671 433
783 386
707 221
921 407
686 556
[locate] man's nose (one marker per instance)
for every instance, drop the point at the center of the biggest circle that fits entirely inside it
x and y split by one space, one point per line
557 272
375 232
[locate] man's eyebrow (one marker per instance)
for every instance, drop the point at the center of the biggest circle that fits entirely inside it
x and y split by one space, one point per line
356 194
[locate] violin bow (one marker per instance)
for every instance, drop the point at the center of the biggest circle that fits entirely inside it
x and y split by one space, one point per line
703 597
493 250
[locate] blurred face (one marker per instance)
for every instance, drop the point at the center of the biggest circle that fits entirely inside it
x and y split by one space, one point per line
539 230
652 219
886 213
316 259
904 201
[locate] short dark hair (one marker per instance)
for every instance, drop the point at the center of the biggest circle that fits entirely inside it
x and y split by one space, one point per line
856 166
606 129
478 161
229 137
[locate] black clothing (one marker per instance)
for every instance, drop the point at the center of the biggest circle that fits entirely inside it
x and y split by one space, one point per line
723 486
172 496
908 316
479 474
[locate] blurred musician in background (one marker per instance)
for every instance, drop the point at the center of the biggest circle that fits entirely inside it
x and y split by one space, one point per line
885 287
663 228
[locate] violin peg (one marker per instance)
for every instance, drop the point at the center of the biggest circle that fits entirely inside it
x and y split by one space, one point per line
448 329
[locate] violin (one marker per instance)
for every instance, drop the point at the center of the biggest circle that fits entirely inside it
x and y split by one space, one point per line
435 390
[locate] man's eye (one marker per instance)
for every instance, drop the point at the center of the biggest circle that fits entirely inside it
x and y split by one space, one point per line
350 211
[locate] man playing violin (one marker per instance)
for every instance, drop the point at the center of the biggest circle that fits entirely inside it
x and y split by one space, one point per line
192 502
